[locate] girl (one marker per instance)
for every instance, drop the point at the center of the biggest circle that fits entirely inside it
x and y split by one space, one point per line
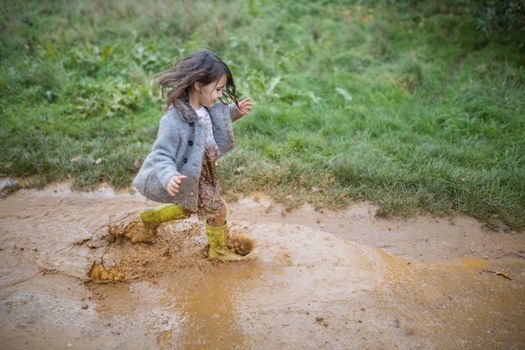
193 134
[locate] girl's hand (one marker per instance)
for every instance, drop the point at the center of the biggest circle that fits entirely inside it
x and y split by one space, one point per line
174 183
245 106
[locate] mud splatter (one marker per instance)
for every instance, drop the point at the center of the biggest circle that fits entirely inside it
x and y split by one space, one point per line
99 274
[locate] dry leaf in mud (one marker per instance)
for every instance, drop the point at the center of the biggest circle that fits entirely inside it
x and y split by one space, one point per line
500 273
504 275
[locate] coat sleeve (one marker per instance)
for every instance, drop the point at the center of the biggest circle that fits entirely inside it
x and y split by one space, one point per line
235 112
165 150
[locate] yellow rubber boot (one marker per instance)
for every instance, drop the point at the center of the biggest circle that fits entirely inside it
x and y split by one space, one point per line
152 218
217 240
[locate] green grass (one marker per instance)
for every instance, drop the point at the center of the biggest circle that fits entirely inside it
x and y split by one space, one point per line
411 107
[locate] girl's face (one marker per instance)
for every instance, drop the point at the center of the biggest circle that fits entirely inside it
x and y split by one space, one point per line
209 94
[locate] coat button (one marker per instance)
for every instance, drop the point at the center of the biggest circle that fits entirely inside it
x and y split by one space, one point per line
185 160
190 142
192 124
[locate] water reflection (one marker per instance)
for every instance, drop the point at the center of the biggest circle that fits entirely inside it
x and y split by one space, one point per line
207 302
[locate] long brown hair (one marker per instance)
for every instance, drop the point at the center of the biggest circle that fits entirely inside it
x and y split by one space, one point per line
201 66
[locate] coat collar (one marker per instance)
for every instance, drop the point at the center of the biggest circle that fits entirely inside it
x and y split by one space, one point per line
186 111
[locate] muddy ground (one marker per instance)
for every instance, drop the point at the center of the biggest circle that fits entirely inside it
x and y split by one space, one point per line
320 279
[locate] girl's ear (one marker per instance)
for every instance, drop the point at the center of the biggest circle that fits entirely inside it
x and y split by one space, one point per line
197 86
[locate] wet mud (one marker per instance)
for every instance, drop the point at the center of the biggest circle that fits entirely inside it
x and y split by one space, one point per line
71 278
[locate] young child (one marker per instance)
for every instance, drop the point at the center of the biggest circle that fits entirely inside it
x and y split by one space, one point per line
193 134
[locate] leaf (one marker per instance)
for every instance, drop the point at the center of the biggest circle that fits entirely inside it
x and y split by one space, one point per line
504 275
106 52
344 93
500 273
238 170
50 49
273 84
313 96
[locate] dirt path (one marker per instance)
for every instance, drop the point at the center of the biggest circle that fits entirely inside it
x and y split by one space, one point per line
322 279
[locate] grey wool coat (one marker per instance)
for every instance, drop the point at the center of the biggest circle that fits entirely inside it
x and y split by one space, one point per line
179 150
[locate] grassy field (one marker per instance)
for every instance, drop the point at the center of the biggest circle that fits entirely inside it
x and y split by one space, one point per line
411 107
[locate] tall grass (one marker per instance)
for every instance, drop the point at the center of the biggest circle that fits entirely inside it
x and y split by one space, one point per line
410 107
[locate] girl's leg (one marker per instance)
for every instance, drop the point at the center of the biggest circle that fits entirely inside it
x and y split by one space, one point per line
163 213
214 210
152 218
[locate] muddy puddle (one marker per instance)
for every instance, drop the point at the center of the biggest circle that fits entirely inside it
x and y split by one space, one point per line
319 279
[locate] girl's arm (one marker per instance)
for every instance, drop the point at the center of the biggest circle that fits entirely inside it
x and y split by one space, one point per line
164 151
245 106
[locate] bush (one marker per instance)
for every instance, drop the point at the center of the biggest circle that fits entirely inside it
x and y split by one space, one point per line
494 16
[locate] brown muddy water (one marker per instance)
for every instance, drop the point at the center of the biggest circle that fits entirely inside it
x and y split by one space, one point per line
316 279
